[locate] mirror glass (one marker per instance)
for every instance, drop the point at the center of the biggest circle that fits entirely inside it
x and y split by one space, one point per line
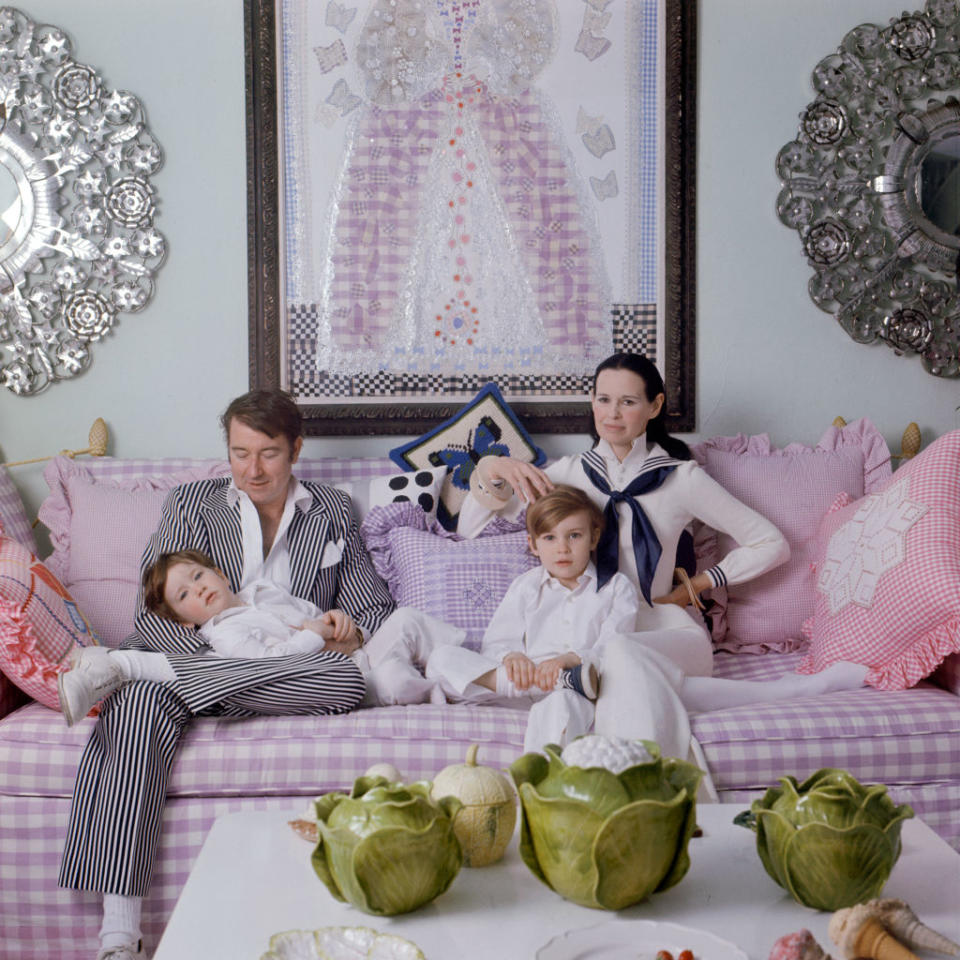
11 206
938 184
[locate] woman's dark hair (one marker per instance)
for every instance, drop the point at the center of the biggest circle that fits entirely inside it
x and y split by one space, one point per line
653 385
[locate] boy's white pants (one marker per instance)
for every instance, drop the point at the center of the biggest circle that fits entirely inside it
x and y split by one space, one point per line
556 716
390 658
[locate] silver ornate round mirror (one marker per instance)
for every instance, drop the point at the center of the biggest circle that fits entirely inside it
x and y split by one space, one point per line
77 242
872 185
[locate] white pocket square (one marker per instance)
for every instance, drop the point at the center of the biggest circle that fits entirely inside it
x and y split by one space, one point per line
332 553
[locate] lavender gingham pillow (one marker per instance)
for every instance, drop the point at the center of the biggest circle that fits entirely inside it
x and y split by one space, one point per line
458 581
13 518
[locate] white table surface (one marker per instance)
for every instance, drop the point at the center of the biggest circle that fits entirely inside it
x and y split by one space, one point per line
253 878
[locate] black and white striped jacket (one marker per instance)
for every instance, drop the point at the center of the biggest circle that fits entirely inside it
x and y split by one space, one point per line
199 516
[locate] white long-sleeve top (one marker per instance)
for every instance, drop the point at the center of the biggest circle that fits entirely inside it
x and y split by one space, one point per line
541 618
687 494
266 625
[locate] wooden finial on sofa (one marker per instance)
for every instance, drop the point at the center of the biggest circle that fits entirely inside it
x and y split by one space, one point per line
910 443
97 440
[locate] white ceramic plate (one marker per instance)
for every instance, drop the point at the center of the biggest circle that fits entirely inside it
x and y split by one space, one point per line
638 940
340 943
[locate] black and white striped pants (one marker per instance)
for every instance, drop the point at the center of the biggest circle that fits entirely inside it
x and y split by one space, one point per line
122 781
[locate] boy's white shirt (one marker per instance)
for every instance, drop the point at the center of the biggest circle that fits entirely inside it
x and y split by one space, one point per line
541 618
266 624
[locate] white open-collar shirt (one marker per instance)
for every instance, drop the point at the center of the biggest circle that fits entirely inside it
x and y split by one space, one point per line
276 565
542 618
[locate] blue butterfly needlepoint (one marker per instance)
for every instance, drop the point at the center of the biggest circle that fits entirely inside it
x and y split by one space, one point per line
461 458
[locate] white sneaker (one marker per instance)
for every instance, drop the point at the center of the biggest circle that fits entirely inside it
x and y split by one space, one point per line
129 951
92 676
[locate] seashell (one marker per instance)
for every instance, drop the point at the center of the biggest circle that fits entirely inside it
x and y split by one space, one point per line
839 422
898 917
305 829
858 934
798 946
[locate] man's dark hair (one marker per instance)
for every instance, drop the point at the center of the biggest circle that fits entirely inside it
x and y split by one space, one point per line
271 412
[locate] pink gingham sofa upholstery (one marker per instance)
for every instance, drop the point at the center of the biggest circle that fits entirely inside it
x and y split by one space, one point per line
909 740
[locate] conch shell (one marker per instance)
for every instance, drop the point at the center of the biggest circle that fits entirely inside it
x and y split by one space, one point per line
897 917
798 946
858 934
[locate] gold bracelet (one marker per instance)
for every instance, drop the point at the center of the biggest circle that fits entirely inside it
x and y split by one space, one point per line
684 578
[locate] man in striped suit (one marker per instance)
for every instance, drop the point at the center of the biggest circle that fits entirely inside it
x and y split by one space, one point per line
261 523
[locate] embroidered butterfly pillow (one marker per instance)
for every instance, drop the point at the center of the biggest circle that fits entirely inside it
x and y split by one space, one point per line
485 426
888 574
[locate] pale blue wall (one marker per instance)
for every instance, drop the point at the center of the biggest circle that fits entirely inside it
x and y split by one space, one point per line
768 359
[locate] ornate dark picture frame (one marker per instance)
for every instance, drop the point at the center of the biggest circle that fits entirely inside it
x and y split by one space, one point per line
264 244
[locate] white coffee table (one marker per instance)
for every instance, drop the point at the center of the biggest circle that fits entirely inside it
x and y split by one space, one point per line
253 878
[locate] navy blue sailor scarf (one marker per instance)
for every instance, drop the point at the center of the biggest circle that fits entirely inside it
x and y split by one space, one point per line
646 544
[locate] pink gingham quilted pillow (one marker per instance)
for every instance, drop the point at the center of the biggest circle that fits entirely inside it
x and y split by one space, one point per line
792 487
888 574
458 581
13 518
39 623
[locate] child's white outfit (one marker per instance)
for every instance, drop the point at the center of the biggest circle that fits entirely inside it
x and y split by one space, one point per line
268 624
541 618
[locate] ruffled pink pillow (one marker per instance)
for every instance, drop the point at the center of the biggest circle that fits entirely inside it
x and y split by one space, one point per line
792 487
39 623
888 574
99 528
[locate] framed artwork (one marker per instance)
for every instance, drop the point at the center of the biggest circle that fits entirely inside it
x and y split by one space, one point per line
444 194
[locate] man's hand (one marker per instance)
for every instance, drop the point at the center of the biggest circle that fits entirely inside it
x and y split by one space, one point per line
338 630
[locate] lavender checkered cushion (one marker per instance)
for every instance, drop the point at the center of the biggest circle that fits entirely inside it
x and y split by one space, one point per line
276 763
427 567
903 737
13 518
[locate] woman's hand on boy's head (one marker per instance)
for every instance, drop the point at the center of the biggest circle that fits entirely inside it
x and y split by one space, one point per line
528 481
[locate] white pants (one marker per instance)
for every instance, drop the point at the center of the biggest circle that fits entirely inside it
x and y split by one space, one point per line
649 680
390 659
640 684
556 716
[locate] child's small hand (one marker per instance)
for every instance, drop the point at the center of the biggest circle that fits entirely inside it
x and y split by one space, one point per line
521 670
549 670
342 623
320 626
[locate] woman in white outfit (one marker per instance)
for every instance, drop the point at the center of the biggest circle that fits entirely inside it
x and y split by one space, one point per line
650 490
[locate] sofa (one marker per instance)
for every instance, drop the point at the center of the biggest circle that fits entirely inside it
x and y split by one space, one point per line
100 511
